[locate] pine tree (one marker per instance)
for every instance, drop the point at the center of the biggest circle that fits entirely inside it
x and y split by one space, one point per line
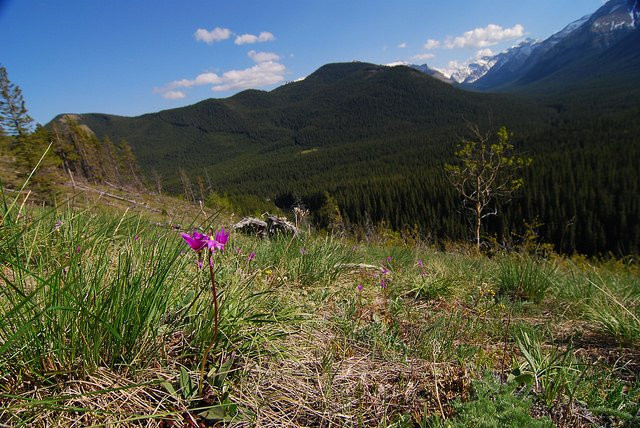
129 164
63 148
14 119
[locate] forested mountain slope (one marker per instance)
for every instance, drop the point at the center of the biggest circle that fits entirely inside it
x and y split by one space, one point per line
376 139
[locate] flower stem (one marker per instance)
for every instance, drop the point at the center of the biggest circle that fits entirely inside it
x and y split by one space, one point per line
205 356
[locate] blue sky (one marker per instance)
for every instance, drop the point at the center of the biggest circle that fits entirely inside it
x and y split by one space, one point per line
134 57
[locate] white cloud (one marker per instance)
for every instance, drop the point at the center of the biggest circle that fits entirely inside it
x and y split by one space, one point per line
402 45
483 37
265 36
422 57
174 95
259 57
262 74
484 52
431 44
207 79
397 63
201 79
216 35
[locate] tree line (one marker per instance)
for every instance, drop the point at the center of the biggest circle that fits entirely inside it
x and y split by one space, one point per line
64 152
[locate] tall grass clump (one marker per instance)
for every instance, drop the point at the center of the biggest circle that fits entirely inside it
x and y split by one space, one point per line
250 315
305 260
83 291
609 299
615 308
523 278
80 291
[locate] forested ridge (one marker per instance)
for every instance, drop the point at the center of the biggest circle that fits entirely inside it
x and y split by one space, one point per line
374 139
47 158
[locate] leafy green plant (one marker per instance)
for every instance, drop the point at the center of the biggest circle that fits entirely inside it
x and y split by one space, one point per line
494 405
551 374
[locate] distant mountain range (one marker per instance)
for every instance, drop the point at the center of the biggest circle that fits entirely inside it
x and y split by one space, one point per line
583 44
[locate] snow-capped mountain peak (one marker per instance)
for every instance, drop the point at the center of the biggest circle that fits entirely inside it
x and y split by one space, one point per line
473 69
616 15
530 60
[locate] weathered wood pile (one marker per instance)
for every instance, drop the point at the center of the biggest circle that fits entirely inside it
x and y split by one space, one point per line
270 228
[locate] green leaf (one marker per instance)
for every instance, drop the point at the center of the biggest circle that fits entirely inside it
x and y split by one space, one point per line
526 378
217 413
170 389
186 385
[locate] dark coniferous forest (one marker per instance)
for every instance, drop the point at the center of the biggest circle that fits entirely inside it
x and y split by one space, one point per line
374 140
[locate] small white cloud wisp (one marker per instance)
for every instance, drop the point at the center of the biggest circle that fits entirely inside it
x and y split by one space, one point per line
264 36
216 35
259 57
174 95
431 44
422 57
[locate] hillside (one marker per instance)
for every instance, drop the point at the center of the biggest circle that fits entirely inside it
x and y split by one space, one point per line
351 110
376 138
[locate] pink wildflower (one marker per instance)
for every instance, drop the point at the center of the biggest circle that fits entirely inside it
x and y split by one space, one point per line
219 241
197 241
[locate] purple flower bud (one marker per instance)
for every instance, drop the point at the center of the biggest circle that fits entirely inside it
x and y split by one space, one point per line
359 287
78 249
420 263
135 238
251 256
383 284
388 259
303 251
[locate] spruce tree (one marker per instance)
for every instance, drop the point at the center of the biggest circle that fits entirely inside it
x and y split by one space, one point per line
14 119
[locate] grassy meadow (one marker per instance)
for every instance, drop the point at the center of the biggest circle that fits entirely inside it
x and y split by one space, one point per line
106 319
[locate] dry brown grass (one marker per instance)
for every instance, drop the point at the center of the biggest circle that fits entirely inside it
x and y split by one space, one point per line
327 382
102 398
